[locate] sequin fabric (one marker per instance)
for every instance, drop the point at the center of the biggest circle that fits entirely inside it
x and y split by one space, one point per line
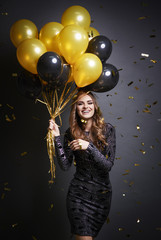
89 196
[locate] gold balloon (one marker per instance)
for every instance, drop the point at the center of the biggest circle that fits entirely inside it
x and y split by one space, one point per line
92 32
29 52
76 15
87 69
21 30
48 35
73 42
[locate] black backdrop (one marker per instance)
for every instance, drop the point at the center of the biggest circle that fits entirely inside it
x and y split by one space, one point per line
30 208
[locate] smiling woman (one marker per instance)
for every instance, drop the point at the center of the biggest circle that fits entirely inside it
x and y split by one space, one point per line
91 142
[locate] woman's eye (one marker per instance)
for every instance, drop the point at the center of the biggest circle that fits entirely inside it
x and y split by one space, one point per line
90 103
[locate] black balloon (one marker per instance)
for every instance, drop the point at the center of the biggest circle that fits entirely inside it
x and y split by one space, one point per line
107 81
29 85
64 76
49 67
100 46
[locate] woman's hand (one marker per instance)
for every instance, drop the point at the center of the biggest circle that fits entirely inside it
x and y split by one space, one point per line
54 128
79 144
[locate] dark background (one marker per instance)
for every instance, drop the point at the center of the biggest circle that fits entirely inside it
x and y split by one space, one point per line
31 208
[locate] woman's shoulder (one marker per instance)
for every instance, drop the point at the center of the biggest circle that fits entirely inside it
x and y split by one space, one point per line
109 126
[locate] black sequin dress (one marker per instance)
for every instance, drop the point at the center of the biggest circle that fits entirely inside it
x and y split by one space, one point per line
90 191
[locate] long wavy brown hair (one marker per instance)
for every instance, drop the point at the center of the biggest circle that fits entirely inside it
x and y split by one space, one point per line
98 125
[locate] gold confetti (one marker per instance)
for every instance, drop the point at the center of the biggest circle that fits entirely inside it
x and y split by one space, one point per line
51 207
108 220
144 54
138 221
7 118
23 154
158 229
148 105
131 46
119 118
130 83
34 238
135 136
106 156
143 152
130 97
14 225
118 158
4 13
14 74
137 127
13 116
153 61
121 229
10 106
145 110
142 18
123 194
136 164
0 105
125 181
114 41
131 183
136 88
152 146
35 118
142 144
150 66
142 58
110 104
2 196
7 189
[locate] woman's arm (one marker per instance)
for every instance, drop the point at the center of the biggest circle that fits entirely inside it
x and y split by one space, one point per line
64 153
105 161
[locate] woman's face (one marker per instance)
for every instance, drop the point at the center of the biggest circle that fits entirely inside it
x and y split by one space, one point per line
85 107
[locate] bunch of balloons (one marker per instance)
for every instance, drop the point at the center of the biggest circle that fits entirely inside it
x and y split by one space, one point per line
63 52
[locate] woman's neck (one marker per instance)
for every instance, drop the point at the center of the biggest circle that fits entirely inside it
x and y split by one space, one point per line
88 125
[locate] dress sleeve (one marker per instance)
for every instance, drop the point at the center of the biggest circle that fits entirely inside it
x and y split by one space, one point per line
64 153
105 160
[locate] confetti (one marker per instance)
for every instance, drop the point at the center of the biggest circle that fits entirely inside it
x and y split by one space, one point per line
108 220
158 229
142 58
114 41
14 225
2 196
4 13
35 118
0 105
153 61
145 110
131 183
136 88
121 229
148 105
143 152
14 74
144 54
34 238
152 36
23 154
152 146
10 106
138 221
135 136
144 17
130 83
142 144
123 194
51 207
130 97
137 127
154 103
136 164
119 118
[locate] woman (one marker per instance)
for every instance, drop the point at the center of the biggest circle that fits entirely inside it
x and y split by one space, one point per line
91 143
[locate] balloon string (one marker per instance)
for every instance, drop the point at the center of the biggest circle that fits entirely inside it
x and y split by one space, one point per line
55 106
